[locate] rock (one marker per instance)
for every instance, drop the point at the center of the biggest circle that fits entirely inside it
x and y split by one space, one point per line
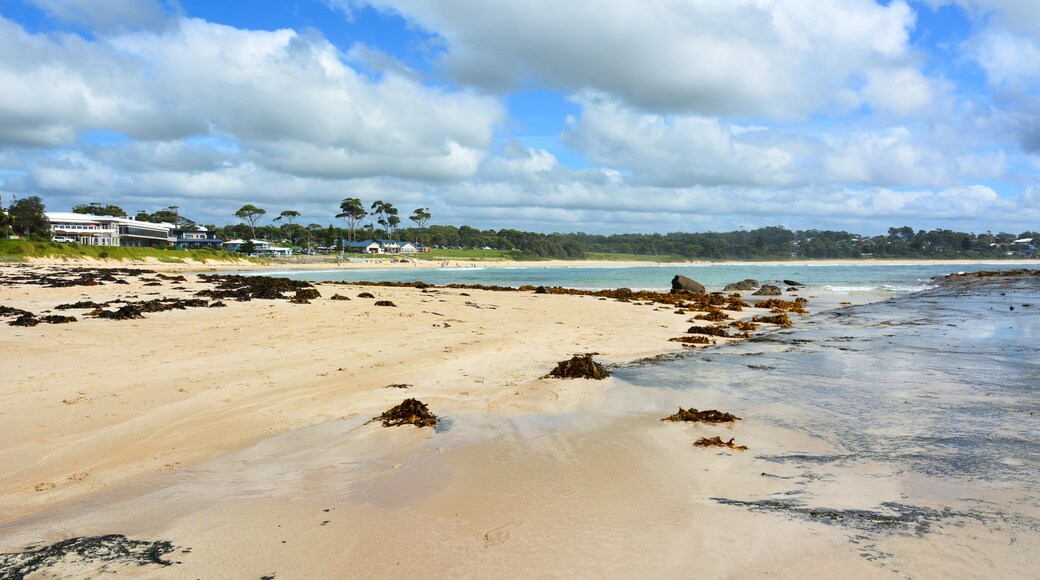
793 283
743 285
681 283
768 290
541 290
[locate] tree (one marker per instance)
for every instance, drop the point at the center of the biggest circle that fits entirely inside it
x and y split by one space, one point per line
386 216
352 212
421 216
95 208
250 214
5 223
29 217
288 216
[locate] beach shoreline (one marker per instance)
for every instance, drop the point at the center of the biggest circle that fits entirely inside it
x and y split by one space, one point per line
389 263
240 435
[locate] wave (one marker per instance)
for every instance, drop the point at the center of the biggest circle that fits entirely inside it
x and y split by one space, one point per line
877 288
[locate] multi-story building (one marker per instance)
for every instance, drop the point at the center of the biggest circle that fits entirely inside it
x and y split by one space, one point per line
93 230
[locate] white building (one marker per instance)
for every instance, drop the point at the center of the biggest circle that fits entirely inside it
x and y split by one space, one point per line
94 230
262 248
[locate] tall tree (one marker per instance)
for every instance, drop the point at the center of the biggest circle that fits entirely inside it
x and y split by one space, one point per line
288 216
386 216
352 212
421 216
250 214
379 210
29 217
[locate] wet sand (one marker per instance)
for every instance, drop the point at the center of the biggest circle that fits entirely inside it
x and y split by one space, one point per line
239 435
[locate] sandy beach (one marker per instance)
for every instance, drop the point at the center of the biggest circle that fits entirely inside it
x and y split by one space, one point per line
241 436
331 263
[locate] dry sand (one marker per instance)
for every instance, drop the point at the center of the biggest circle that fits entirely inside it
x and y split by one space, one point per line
239 434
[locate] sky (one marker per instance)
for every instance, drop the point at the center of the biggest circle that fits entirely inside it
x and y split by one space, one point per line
602 116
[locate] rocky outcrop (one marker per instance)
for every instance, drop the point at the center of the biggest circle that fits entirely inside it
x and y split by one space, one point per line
683 284
768 290
743 285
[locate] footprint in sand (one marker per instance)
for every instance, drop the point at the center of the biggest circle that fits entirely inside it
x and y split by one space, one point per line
499 535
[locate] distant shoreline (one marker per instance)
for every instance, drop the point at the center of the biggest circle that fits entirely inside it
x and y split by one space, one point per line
388 264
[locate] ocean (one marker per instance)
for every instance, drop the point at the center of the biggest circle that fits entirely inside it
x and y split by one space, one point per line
917 409
926 404
885 278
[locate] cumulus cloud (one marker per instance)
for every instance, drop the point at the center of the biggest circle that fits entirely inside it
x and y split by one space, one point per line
675 150
287 97
745 57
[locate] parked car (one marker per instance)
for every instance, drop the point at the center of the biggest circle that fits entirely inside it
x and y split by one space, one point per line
63 239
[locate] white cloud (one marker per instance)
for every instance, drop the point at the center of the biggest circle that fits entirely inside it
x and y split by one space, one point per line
760 57
288 98
887 158
676 150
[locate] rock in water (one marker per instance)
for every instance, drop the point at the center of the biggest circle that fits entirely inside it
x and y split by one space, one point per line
748 284
768 290
683 284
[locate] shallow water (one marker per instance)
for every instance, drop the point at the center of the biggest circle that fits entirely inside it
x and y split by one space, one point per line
900 278
936 392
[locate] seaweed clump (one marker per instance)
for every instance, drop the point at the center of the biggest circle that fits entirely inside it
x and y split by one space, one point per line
245 288
713 315
409 412
339 297
88 304
694 416
778 305
385 303
305 295
719 331
717 441
696 339
580 366
782 320
97 550
366 295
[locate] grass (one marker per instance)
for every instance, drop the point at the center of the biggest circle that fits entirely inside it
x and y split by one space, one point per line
17 250
472 255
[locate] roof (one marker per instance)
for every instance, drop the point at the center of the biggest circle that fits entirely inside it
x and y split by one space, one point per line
66 216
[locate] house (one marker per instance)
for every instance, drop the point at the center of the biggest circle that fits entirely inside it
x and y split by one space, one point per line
93 230
196 239
381 247
366 247
261 248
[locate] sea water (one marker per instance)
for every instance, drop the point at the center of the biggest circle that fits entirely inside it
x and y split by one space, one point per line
923 411
886 278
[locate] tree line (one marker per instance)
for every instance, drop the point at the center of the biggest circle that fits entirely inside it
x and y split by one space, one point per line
26 217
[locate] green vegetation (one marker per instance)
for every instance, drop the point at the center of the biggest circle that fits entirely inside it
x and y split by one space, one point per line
21 249
474 255
606 256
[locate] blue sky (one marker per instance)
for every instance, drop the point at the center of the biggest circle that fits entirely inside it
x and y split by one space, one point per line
617 116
